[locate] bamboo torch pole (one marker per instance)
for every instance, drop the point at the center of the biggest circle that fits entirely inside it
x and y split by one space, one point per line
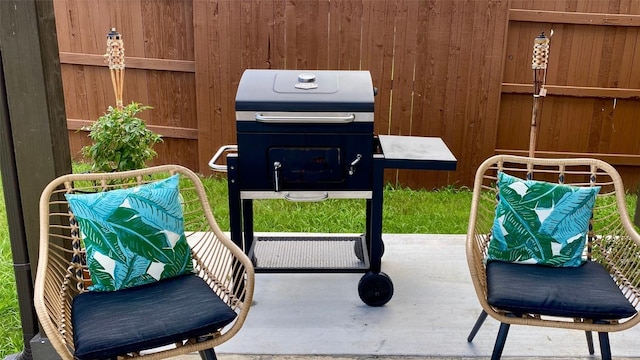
539 67
115 59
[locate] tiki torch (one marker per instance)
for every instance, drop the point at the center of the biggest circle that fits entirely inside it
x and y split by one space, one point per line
115 59
539 67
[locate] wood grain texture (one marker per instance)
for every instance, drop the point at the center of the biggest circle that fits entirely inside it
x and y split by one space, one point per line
456 69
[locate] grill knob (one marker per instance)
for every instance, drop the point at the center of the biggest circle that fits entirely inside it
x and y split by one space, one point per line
306 77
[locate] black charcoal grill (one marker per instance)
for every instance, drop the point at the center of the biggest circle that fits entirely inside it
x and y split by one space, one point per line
309 136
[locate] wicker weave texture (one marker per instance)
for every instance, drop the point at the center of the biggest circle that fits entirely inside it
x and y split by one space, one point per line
612 240
61 274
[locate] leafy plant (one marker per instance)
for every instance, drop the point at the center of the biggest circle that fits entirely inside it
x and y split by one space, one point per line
121 140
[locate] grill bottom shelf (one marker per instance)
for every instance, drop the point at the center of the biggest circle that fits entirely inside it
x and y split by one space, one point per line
310 253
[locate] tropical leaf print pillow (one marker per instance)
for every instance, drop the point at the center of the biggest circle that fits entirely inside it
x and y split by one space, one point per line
538 222
133 236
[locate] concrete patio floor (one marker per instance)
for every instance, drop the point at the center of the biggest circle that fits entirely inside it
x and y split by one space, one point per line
320 316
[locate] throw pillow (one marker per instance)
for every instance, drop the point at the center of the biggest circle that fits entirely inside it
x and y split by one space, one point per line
538 222
133 236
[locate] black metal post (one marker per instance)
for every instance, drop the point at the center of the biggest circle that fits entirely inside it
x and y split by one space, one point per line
374 219
235 207
19 251
34 145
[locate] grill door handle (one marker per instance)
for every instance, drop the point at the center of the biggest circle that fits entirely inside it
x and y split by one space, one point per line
301 119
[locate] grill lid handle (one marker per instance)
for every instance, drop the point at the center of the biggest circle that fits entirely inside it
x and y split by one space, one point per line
304 119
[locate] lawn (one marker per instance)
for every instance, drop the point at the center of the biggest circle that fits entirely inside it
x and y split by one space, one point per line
10 329
443 211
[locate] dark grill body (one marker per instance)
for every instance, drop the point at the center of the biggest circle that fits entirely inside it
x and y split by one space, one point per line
305 139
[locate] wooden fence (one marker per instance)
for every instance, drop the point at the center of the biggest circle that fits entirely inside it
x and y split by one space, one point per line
456 69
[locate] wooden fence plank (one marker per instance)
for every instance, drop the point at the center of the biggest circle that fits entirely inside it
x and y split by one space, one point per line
64 13
323 34
308 42
131 27
422 85
634 72
403 74
387 13
624 133
130 62
206 54
367 45
578 59
601 118
290 23
231 71
244 16
263 35
489 36
561 17
574 91
596 40
277 42
165 131
355 36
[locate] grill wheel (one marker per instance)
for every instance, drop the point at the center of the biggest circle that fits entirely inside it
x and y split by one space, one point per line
375 289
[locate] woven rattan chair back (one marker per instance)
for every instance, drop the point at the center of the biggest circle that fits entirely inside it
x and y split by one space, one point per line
62 272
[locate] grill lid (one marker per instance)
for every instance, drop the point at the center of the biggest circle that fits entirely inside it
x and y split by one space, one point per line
305 91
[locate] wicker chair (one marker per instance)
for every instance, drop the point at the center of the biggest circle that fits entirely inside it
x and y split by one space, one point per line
222 274
612 242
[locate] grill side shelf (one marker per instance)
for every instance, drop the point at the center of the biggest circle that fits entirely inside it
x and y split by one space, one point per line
416 152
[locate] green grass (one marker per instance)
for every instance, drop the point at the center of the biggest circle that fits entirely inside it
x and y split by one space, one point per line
10 328
443 211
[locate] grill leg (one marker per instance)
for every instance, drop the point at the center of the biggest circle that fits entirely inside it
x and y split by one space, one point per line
247 224
235 207
367 231
374 216
477 326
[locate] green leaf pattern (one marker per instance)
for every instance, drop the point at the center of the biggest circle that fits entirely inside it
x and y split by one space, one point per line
133 236
538 222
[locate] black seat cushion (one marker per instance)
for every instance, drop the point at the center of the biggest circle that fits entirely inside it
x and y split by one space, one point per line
107 324
587 291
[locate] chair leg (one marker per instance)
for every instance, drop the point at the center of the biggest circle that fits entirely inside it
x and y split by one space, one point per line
477 326
605 347
590 342
208 354
500 340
